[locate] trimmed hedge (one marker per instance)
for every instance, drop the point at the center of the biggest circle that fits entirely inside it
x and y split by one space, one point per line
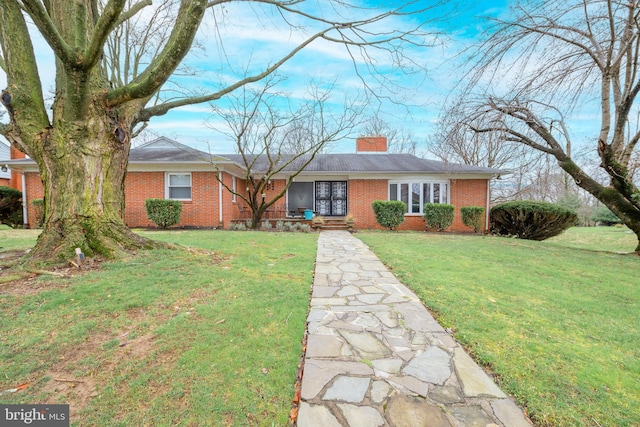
162 212
11 207
472 217
389 213
531 220
438 215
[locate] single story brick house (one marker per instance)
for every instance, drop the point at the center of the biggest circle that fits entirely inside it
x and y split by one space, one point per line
332 185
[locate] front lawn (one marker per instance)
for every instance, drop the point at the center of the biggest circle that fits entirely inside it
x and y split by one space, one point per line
556 321
170 337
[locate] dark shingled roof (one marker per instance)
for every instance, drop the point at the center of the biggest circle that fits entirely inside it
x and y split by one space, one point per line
371 163
166 150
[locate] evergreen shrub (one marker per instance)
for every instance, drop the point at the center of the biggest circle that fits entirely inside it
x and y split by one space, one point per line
438 215
389 213
531 220
11 207
602 215
162 212
472 217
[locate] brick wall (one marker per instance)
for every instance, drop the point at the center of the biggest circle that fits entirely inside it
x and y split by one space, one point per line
140 186
16 178
34 190
371 144
200 211
362 193
467 192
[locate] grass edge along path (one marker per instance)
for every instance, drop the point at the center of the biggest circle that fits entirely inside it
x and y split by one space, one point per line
558 326
208 337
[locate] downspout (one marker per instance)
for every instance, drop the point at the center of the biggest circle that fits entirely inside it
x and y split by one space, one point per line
25 218
221 224
486 217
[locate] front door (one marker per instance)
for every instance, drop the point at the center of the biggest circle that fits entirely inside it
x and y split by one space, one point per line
331 198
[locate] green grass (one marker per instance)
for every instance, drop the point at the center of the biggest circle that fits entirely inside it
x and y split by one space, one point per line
11 240
169 337
610 239
195 338
556 321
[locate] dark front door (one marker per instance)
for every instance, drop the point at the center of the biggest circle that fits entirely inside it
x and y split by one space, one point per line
331 198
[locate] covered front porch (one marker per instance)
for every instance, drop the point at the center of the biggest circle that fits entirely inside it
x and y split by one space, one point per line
326 199
323 198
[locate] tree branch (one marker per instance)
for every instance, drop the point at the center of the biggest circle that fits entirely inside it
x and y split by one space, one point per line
161 109
133 11
164 64
41 18
106 22
24 89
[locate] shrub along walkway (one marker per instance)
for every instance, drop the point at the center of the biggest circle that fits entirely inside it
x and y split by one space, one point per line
376 357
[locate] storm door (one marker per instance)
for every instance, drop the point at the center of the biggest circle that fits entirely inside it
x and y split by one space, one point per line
331 198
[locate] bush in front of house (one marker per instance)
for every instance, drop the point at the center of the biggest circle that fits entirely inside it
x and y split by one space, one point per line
531 220
38 209
602 215
11 207
438 215
162 212
389 213
472 217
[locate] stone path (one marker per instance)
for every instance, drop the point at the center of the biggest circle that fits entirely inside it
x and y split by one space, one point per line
376 357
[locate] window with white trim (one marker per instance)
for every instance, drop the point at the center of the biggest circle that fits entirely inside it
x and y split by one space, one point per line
416 194
178 186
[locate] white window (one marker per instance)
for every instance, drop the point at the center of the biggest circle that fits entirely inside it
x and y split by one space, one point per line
416 194
178 186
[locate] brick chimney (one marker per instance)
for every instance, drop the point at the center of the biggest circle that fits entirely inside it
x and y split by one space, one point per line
371 144
16 178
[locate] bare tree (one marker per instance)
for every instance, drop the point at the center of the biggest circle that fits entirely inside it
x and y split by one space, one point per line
399 140
455 141
272 142
551 60
108 85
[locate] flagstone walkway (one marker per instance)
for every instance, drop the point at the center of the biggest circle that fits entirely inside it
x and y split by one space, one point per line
376 357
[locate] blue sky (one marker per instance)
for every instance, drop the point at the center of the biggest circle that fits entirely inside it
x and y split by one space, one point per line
420 97
251 37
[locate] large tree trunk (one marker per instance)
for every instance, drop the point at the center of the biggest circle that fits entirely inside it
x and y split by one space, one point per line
83 166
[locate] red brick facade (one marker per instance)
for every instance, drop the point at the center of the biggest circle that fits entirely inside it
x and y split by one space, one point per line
16 178
467 192
371 144
34 190
203 208
362 193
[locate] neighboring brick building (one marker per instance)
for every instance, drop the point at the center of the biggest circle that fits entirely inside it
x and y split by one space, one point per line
331 185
